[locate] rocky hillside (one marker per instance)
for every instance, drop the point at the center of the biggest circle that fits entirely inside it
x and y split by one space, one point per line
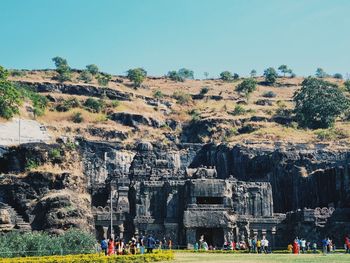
95 132
198 111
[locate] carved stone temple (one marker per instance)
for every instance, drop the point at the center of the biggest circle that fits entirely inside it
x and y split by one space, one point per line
182 205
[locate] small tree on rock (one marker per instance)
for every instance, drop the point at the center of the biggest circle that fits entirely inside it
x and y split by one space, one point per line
137 75
62 68
318 103
270 75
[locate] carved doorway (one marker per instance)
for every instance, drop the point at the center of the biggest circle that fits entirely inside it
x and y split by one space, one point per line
213 236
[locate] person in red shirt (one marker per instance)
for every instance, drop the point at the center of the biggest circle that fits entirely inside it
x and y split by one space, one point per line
295 247
110 247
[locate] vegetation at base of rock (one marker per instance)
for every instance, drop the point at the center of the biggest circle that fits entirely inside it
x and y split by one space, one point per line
77 117
16 244
318 103
137 75
269 94
238 110
158 94
92 258
182 97
85 76
103 79
94 105
66 105
204 90
63 69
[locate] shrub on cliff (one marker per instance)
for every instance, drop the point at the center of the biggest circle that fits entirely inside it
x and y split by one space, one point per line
94 105
182 97
103 79
62 68
92 68
318 103
10 97
137 75
85 76
247 86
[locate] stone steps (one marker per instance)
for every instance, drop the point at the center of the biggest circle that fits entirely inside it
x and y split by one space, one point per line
21 224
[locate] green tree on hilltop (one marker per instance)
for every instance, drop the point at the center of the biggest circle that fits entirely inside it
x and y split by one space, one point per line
62 68
285 70
137 75
186 73
93 69
318 103
320 73
253 73
226 75
270 75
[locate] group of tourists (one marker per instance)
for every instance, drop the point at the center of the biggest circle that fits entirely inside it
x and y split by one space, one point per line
253 245
303 246
117 246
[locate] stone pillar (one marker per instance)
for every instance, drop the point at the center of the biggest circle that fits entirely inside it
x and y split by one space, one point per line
273 232
190 237
121 231
105 231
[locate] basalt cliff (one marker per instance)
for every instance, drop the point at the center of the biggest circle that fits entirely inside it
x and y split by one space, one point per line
178 177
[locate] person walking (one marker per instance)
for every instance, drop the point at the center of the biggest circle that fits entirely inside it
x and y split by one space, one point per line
303 245
325 245
104 246
150 244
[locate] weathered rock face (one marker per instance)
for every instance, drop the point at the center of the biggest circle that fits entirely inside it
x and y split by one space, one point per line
85 90
42 200
181 191
300 177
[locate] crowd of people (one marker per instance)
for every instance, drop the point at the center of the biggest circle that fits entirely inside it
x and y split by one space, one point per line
145 244
139 245
253 245
303 246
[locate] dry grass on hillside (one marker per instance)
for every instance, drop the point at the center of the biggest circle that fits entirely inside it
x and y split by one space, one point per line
60 123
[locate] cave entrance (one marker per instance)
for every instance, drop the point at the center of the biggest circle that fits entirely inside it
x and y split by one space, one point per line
213 236
209 200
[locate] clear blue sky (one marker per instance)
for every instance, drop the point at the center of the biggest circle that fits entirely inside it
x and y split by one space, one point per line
161 35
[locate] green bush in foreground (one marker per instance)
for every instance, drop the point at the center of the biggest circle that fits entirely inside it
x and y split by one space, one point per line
15 244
